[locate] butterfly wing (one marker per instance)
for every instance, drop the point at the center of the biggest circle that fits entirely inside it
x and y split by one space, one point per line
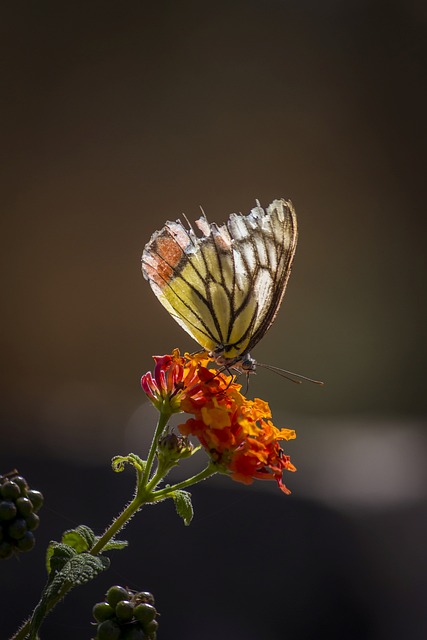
182 270
224 287
266 242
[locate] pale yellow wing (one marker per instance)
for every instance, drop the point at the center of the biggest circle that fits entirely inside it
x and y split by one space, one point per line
224 287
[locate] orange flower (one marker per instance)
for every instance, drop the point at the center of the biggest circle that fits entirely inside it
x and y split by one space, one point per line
237 433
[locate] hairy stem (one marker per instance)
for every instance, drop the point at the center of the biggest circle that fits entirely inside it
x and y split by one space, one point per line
209 471
161 425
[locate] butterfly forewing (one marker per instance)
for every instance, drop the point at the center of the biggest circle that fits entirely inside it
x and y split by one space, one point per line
178 277
224 287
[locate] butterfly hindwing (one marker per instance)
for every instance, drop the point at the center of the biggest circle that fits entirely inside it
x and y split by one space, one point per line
224 287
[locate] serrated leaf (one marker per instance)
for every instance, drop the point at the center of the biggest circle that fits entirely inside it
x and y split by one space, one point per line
49 553
57 556
82 538
115 545
80 568
183 505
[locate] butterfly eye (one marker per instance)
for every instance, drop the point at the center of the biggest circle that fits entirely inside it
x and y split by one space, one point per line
248 364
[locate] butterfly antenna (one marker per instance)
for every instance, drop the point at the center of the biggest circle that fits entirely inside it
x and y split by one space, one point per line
289 375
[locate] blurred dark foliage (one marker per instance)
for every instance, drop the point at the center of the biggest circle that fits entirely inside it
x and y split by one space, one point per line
252 563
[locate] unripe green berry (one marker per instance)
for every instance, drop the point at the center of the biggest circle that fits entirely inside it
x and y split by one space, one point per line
124 611
27 542
102 611
36 498
22 484
151 628
115 594
32 521
10 490
108 630
18 528
144 613
7 510
24 506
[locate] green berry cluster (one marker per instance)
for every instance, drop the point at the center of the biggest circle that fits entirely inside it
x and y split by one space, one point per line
18 514
126 615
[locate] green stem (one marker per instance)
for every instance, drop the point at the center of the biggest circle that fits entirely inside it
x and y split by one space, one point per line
22 633
144 494
161 425
209 471
118 524
157 477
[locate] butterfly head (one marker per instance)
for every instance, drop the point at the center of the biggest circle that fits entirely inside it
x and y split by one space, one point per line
242 364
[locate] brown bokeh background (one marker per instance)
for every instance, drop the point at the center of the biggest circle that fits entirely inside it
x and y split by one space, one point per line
119 116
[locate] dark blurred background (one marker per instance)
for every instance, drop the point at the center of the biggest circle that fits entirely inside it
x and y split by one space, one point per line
119 116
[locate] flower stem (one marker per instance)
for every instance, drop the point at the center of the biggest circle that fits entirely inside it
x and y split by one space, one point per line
22 633
209 471
118 524
144 494
161 425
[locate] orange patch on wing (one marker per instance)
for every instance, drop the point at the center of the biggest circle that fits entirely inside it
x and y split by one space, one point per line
165 257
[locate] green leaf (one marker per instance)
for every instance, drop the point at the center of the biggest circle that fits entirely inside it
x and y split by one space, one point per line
118 462
183 505
82 538
80 568
114 545
83 568
57 556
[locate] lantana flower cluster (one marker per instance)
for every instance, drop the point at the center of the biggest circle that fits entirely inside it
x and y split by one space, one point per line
237 433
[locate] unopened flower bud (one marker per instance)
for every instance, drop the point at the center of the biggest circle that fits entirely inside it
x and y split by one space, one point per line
172 447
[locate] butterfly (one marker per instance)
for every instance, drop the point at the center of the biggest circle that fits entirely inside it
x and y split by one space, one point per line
225 285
